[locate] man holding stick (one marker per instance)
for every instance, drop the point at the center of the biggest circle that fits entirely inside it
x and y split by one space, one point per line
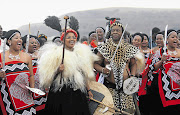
119 65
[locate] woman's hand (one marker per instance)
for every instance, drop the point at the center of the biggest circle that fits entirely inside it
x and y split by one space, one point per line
61 68
164 58
90 94
2 74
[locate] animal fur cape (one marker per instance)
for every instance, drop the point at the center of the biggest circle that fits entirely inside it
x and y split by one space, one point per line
78 66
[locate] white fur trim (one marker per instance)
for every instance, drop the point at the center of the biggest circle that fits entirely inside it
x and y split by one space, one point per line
140 61
75 62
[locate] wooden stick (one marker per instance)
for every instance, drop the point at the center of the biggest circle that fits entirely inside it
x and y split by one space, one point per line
116 109
29 29
109 109
66 18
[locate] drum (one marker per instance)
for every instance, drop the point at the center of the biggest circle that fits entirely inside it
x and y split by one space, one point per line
107 100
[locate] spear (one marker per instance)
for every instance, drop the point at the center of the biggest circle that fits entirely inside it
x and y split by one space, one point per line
165 40
38 33
4 49
151 40
27 40
3 61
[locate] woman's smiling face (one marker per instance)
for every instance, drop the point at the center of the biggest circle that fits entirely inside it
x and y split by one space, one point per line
70 40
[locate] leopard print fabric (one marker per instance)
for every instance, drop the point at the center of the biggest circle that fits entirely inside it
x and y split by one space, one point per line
124 52
126 101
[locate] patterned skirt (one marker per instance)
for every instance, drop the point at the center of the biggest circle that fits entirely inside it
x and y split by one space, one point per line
15 98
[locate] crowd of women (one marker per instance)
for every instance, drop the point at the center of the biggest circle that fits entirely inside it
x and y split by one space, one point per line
32 61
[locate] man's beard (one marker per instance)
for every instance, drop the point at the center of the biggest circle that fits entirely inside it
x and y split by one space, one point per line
116 38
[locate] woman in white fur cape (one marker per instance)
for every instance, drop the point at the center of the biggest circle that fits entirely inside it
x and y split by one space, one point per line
67 94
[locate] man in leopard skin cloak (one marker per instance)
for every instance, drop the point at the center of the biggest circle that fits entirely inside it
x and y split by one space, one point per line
128 61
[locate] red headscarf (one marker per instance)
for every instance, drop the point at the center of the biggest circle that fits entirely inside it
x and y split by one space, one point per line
67 31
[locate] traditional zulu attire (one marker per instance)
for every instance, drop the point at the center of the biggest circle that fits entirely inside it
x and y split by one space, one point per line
124 53
146 56
15 98
148 86
165 88
67 94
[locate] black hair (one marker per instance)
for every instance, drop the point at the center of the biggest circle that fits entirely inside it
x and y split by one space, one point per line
43 36
169 31
117 23
139 34
162 33
143 34
100 28
91 33
178 31
84 38
57 37
25 38
155 30
40 41
10 34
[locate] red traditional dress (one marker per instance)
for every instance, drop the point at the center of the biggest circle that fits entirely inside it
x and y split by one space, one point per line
15 98
168 80
168 85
